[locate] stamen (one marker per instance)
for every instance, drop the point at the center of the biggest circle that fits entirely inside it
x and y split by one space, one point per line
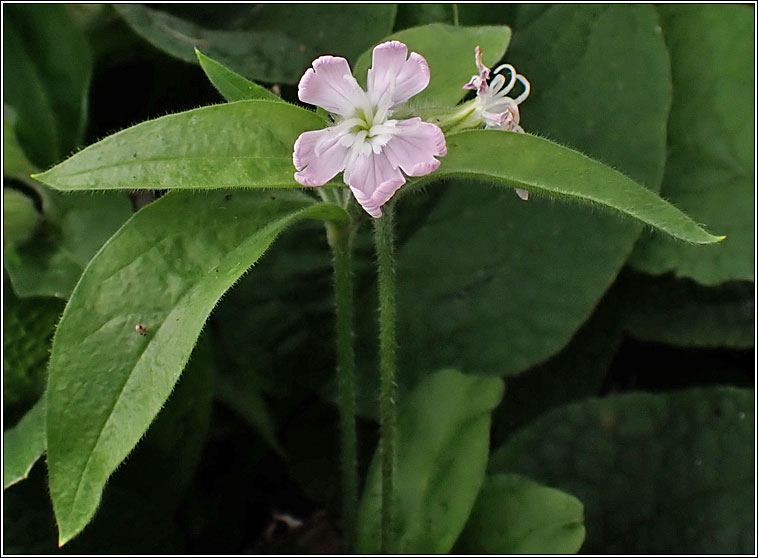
496 84
527 88
513 75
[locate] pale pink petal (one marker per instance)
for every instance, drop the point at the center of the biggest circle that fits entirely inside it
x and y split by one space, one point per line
373 181
391 73
414 147
330 85
319 156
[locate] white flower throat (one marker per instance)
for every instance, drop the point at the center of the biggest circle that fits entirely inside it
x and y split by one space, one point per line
369 129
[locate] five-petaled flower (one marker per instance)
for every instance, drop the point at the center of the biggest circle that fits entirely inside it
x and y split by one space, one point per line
496 109
365 141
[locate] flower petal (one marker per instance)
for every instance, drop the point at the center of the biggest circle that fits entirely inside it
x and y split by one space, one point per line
330 85
391 73
319 156
373 181
414 147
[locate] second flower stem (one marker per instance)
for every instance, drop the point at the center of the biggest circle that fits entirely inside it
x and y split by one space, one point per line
340 242
386 273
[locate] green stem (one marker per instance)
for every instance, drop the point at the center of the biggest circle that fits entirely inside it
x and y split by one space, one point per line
340 238
456 20
387 411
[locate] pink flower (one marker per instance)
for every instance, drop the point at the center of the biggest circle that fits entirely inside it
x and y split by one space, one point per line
497 110
365 142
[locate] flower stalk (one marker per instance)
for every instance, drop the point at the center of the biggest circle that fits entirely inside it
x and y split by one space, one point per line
383 229
340 241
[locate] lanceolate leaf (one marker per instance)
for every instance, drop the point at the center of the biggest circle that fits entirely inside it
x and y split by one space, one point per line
23 445
230 84
268 42
247 144
131 324
443 444
449 51
543 167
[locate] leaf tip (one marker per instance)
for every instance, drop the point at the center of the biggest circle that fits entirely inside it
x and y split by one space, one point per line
64 538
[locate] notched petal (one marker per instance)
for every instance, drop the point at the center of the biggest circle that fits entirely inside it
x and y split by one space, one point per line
330 84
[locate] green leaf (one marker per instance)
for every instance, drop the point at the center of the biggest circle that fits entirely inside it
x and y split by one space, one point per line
74 227
23 445
248 402
682 312
514 280
543 167
515 515
231 85
576 372
658 474
107 381
20 218
267 42
710 171
164 462
442 449
28 329
247 144
449 51
15 163
413 15
46 81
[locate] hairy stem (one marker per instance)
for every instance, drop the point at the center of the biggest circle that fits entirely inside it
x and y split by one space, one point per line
386 273
340 241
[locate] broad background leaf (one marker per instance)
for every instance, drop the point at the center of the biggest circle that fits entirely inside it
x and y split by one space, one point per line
15 162
710 170
267 42
73 228
46 82
514 280
449 51
515 515
107 381
682 312
233 145
23 445
442 449
28 328
414 15
578 371
657 473
20 217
